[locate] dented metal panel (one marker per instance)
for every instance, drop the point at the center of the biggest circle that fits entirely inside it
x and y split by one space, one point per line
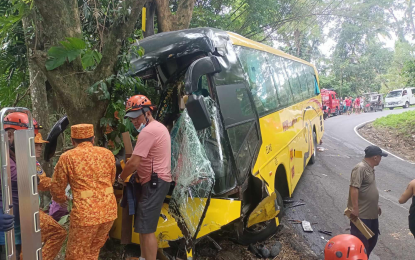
267 209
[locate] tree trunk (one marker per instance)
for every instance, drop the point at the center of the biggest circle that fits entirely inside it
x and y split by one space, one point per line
173 22
151 10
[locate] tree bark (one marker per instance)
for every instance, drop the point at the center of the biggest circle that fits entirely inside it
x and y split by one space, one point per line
151 10
60 19
173 22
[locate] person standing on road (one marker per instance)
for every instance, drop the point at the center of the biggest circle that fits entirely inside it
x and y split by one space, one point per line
152 161
357 105
348 105
364 196
410 193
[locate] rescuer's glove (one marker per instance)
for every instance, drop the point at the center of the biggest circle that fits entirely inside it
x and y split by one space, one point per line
6 222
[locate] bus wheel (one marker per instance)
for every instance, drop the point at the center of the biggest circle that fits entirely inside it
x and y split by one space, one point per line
406 105
391 108
313 157
261 231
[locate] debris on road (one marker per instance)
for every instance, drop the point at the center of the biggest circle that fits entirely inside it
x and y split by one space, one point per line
288 201
254 250
275 249
296 205
387 190
321 149
264 251
295 221
306 226
325 175
329 233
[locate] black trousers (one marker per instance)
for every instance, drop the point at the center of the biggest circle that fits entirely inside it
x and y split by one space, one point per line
369 244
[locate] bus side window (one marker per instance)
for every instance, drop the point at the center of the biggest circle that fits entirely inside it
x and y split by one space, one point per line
303 81
293 79
260 79
281 82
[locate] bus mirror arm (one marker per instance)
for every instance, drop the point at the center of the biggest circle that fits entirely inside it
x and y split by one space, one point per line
200 67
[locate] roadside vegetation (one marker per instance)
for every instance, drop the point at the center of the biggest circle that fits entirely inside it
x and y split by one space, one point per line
404 123
395 133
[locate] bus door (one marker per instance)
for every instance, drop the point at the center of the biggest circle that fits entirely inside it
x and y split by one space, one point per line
242 126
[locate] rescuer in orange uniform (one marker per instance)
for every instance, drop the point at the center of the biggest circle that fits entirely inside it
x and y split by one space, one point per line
53 234
90 171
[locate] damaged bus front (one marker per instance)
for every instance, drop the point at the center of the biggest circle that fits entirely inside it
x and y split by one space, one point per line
207 103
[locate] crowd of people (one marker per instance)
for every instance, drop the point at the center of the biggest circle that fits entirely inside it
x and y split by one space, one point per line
352 105
91 172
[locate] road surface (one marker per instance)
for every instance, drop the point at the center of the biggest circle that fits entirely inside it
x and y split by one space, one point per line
324 188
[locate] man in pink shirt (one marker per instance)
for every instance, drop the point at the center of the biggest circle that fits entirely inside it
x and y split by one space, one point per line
152 161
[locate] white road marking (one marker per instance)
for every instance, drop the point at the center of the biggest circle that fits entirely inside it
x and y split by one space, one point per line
357 133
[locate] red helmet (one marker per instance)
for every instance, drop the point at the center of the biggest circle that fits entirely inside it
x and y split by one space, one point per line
135 103
345 247
19 121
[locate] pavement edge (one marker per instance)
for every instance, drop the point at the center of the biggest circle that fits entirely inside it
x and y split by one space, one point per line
356 128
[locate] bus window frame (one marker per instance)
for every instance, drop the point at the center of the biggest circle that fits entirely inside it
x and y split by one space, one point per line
223 99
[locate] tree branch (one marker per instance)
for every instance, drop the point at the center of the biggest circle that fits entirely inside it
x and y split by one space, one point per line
114 39
18 98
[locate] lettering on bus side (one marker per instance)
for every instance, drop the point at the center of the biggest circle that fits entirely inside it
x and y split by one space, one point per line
268 148
287 124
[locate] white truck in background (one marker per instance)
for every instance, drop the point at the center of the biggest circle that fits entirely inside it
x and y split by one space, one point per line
400 98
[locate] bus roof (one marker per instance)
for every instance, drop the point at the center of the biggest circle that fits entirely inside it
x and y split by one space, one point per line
162 47
242 41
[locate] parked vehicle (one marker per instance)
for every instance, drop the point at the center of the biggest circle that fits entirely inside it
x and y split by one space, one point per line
400 98
373 102
331 104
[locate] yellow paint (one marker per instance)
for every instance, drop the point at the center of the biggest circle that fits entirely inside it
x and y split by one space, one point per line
143 19
264 211
295 138
189 254
220 213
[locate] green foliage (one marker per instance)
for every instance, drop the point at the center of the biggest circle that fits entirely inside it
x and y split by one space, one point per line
69 51
404 122
409 73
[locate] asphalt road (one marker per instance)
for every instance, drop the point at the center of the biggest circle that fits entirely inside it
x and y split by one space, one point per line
324 188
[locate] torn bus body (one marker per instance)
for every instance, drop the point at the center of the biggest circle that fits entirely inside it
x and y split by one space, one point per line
214 145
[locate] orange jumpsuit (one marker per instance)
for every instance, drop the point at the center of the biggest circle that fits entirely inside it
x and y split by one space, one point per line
52 234
90 171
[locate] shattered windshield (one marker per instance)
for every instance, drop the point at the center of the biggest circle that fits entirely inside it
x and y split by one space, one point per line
193 174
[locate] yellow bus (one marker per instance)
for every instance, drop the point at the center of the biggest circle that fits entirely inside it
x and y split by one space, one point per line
252 122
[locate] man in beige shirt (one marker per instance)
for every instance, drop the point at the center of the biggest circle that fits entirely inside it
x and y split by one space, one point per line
364 196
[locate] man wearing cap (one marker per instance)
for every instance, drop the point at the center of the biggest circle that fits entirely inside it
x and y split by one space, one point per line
152 161
90 171
364 196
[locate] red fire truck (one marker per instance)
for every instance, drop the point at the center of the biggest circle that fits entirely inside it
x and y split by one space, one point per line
331 105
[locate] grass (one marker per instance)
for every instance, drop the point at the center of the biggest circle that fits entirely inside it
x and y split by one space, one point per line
404 122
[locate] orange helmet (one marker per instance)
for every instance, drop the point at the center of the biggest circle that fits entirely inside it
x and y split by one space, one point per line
345 247
135 105
19 121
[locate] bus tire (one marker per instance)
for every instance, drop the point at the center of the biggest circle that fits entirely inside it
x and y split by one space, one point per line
252 236
391 108
313 157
